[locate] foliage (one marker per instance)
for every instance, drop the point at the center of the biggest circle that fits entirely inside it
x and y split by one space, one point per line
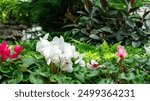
51 12
12 9
102 21
32 68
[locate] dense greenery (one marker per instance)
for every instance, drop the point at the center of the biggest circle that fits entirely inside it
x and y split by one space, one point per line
95 27
11 9
32 68
102 21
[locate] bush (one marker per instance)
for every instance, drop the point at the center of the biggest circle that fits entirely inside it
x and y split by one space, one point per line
12 9
103 21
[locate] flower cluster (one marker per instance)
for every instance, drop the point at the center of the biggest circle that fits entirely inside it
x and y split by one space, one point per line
58 51
121 53
6 53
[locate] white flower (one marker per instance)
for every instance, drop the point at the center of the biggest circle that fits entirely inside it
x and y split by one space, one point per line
147 49
58 51
66 65
52 54
80 61
93 65
68 51
42 43
58 41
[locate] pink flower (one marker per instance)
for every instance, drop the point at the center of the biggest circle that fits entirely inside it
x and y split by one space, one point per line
4 51
18 49
121 53
13 56
93 65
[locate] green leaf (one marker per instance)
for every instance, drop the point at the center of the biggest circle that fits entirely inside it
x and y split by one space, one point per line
136 44
84 39
17 77
148 62
58 78
67 80
35 78
94 36
54 78
106 81
29 61
75 82
129 76
80 76
92 73
4 69
106 29
0 77
119 37
135 36
76 68
25 78
130 23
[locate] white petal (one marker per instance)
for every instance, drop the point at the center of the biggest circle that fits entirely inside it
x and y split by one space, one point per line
89 65
46 36
48 61
66 66
55 60
82 63
61 39
93 62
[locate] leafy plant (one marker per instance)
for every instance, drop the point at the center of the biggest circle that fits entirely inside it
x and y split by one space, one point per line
12 9
102 21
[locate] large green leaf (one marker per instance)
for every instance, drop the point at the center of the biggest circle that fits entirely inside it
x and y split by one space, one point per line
36 78
17 77
127 76
4 69
136 43
28 61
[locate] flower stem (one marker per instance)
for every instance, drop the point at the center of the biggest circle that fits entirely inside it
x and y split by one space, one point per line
122 68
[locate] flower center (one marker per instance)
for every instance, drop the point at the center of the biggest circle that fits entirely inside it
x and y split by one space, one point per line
94 65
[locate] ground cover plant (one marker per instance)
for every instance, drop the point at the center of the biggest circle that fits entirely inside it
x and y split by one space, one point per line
99 64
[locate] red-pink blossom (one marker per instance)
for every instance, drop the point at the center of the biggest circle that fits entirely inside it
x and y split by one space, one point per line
121 53
18 49
4 51
13 56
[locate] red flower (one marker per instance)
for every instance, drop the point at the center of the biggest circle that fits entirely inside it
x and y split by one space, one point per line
4 51
18 49
13 56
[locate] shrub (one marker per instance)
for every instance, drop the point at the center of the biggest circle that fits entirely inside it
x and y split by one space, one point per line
102 21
